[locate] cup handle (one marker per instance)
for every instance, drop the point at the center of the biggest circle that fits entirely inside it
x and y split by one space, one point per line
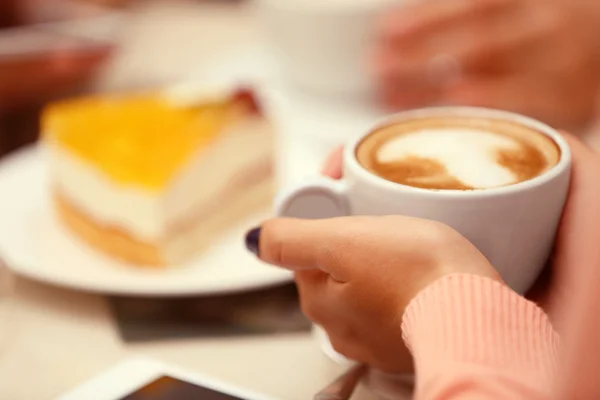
320 198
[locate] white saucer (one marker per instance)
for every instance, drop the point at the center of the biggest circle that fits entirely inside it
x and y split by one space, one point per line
35 245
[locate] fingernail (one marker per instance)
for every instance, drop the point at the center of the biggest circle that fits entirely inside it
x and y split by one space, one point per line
253 240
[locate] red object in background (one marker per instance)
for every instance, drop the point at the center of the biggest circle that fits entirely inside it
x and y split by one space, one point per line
248 96
38 65
10 13
18 128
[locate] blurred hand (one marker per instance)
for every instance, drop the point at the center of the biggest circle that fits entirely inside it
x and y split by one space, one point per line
356 276
536 57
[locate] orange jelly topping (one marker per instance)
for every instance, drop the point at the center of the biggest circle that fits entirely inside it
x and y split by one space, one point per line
139 140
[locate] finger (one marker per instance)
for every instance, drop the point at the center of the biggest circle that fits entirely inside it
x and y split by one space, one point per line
577 146
555 284
423 17
333 165
326 308
347 344
585 163
406 84
413 72
576 251
482 44
417 74
299 244
535 94
329 245
322 306
535 97
502 42
397 97
312 287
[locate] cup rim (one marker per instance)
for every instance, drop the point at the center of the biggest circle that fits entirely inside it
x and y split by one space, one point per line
564 164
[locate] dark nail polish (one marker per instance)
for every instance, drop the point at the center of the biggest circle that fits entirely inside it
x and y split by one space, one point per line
253 240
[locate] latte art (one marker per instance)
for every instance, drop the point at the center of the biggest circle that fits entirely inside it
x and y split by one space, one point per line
456 153
471 157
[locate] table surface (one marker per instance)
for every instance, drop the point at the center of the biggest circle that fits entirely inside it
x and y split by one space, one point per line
52 339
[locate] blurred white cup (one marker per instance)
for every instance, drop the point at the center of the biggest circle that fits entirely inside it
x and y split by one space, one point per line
323 46
309 127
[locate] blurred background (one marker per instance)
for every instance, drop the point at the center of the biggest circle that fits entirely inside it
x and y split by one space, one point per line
62 48
39 61
530 56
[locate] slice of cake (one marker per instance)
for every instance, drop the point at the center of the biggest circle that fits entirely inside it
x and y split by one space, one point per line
151 179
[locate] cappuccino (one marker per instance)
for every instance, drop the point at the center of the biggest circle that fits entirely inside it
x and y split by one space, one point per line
457 153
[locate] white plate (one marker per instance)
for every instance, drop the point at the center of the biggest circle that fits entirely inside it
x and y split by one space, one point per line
35 245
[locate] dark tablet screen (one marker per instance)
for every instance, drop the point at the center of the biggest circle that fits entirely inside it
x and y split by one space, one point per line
167 388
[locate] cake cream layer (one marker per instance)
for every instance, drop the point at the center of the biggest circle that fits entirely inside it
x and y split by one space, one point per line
149 214
236 203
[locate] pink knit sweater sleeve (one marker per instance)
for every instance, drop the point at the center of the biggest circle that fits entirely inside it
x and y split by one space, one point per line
474 338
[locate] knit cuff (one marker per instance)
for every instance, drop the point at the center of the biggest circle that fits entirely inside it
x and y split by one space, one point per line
474 320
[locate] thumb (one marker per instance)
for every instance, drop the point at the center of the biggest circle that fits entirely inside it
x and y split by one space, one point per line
299 244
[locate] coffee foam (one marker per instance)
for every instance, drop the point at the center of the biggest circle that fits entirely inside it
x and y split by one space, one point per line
458 153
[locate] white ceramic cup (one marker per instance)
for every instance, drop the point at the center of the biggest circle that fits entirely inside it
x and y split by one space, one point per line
324 46
513 226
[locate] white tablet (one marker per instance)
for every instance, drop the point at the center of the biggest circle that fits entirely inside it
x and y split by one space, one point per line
142 379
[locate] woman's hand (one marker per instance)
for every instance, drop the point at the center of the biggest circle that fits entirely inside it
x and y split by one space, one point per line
576 242
536 57
356 275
